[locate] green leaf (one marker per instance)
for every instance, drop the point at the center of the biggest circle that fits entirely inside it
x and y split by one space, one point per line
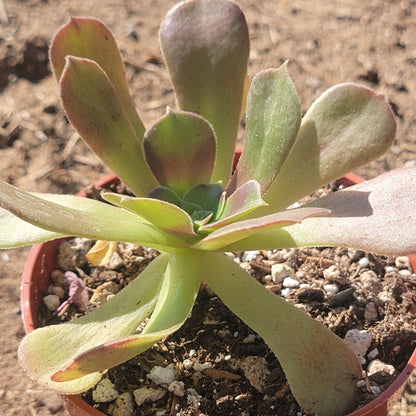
206 47
91 39
272 123
69 215
165 194
321 369
205 196
376 216
347 127
244 200
175 301
166 216
240 230
180 150
47 350
94 108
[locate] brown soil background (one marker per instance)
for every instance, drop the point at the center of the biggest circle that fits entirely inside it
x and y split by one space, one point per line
326 42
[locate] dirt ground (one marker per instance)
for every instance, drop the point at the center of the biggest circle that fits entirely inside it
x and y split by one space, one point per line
326 43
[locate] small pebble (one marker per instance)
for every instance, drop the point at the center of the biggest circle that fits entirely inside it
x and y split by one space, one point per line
150 394
250 255
332 273
364 262
123 406
249 339
255 370
280 271
290 283
162 375
58 291
372 354
378 366
201 367
104 391
371 282
177 388
402 262
370 313
331 288
359 342
52 302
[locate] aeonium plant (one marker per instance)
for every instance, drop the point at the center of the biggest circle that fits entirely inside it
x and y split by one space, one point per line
188 206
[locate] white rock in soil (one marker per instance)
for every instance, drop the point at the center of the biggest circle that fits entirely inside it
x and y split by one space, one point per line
58 291
123 406
331 288
285 292
371 282
201 367
115 261
177 388
102 292
255 371
250 255
377 366
193 397
402 262
279 271
52 302
104 391
364 262
372 354
150 394
332 273
290 283
162 375
359 342
249 339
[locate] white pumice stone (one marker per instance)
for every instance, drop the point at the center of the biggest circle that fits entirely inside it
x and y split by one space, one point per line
58 291
377 366
123 406
280 271
162 375
285 292
104 391
177 388
52 302
290 283
332 273
331 288
373 354
250 255
364 262
201 367
359 342
151 394
255 371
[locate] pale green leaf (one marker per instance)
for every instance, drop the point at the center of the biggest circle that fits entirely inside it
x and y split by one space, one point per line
91 39
348 126
231 233
69 215
175 301
93 106
180 150
206 48
272 123
321 369
47 350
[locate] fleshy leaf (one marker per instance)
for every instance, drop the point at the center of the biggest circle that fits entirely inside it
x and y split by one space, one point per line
49 349
165 194
206 47
272 123
180 150
175 301
69 215
205 197
94 108
377 215
245 199
166 216
91 39
101 252
348 126
242 229
321 369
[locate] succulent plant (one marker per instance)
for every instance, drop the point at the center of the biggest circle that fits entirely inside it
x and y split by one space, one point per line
193 208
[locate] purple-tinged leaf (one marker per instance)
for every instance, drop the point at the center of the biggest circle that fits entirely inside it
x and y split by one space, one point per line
345 128
165 194
164 215
242 229
78 292
91 39
94 108
377 216
245 199
180 150
69 215
175 301
206 47
272 123
321 369
48 350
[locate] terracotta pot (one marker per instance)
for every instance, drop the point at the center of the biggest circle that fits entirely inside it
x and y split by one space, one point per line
42 260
